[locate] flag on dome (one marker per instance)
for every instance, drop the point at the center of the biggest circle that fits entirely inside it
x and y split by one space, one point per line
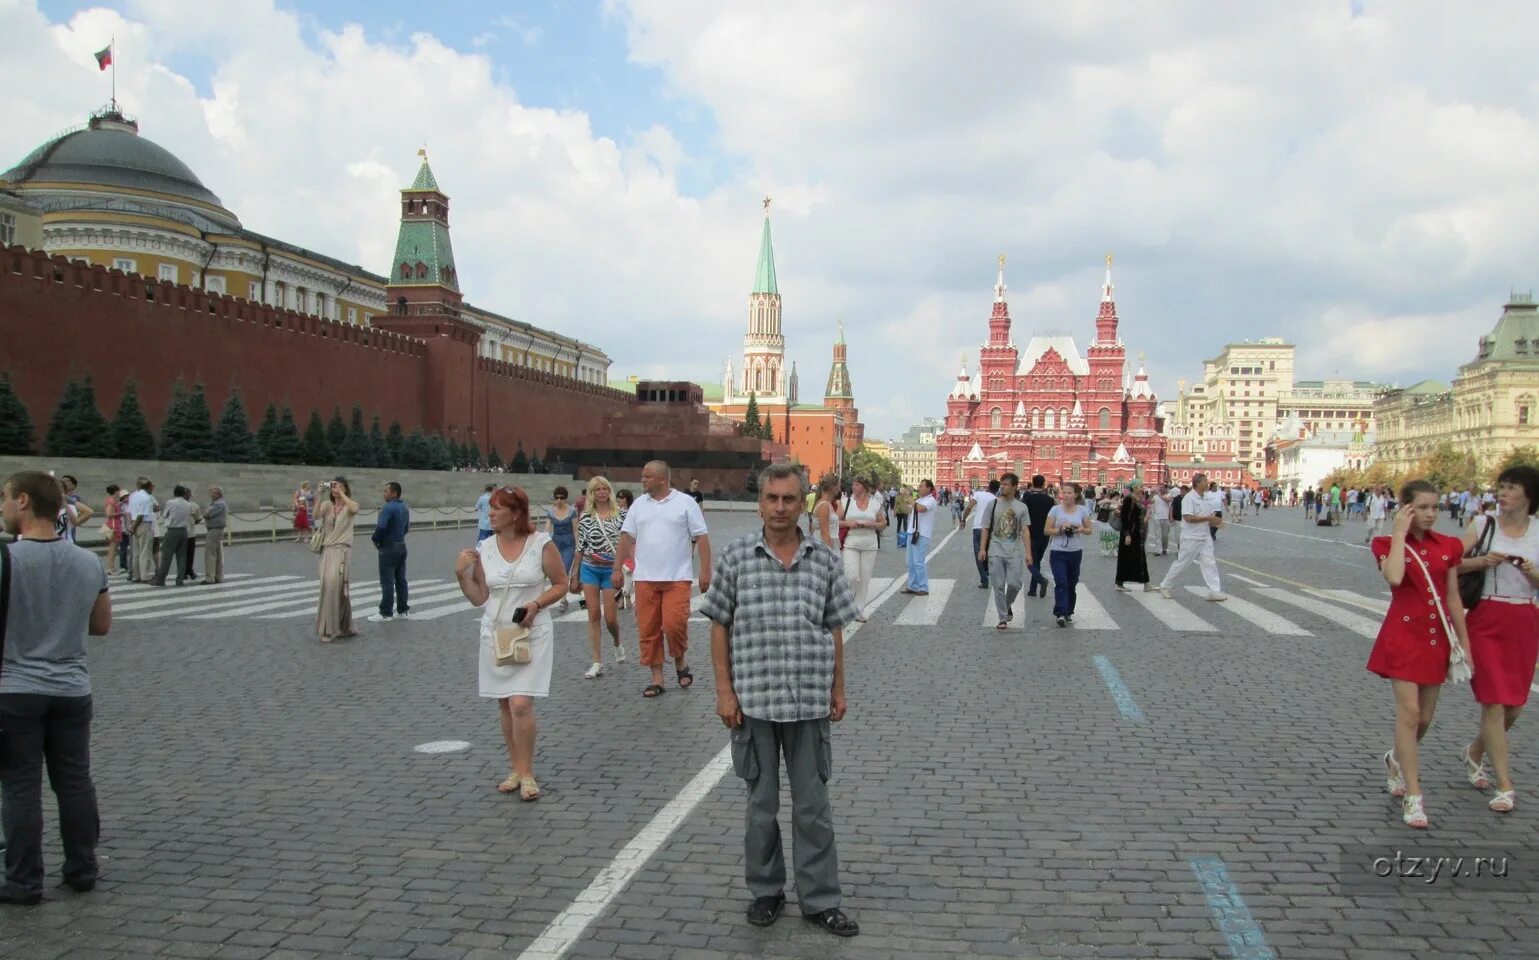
104 57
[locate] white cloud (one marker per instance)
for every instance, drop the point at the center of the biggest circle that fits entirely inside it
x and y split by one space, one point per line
1262 169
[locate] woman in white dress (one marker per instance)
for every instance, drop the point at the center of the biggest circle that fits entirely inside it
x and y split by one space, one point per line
863 516
516 568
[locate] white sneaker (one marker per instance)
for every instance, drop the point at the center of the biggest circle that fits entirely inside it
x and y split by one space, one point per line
619 653
1165 592
594 671
379 618
1218 597
403 615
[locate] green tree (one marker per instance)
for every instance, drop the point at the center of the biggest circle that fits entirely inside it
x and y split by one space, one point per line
132 438
751 427
197 431
317 447
1448 467
415 454
233 442
78 428
494 459
171 428
266 432
1526 455
438 453
356 450
15 423
520 461
336 430
473 455
880 471
285 446
379 454
456 453
395 440
536 465
766 430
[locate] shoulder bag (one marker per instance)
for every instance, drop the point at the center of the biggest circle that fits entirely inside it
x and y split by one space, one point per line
510 643
1472 584
1459 670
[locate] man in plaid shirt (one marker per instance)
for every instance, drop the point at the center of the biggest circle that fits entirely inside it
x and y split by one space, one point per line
778 604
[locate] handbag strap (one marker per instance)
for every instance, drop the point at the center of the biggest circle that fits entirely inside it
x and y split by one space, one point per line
1437 601
507 588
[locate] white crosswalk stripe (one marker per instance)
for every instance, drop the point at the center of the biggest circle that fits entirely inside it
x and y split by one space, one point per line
991 613
126 588
1260 616
926 611
1358 624
1088 612
204 597
257 597
1171 613
1375 604
368 597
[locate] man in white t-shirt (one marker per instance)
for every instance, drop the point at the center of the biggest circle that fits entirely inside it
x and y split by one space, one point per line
141 528
1159 517
1378 513
659 531
925 508
1198 518
977 508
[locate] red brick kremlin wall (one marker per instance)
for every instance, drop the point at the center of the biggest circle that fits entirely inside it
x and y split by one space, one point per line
60 319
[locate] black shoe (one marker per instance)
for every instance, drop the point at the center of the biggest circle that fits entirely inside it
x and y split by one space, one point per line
79 886
766 910
1063 621
1009 614
983 586
834 921
20 899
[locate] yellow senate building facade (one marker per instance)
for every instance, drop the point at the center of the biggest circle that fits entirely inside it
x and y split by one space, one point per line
103 194
1491 407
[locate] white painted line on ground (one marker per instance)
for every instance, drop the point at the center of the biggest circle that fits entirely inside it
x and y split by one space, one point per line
1301 536
1171 613
442 746
991 613
926 611
1359 625
1260 616
1088 612
369 597
183 602
124 588
1374 604
1254 583
562 932
303 593
874 592
163 596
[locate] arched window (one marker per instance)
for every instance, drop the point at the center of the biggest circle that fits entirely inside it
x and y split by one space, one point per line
1105 419
1048 424
1036 418
1063 417
421 270
995 418
405 271
400 306
758 379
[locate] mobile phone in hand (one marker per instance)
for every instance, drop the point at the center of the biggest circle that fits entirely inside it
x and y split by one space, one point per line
1515 561
518 615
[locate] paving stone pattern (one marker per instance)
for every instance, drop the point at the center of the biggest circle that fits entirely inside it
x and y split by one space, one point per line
261 797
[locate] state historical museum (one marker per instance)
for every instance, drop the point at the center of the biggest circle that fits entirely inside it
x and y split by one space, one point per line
1047 409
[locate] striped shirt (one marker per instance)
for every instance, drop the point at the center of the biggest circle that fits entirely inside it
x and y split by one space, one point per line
781 621
597 538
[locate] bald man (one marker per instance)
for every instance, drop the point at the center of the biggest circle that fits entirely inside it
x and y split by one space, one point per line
659 530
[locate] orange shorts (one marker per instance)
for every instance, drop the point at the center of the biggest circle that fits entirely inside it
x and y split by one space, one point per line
662 611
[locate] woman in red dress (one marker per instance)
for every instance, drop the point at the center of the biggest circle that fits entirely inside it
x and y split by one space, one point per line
1504 627
302 512
1413 646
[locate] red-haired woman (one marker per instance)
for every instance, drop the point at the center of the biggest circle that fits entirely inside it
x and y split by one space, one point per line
1504 628
516 569
1414 644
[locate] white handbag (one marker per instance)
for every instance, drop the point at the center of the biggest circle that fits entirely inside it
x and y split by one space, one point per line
510 644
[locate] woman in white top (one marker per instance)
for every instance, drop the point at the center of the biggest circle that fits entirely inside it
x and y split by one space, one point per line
1068 524
1503 627
516 569
863 516
825 520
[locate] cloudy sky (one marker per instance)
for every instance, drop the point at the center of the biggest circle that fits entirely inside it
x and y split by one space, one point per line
1355 176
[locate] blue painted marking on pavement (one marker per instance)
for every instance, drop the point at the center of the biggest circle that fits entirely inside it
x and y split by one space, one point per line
1241 931
1119 690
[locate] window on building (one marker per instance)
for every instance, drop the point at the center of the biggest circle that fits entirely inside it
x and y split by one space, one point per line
1036 418
995 418
254 291
1520 345
1048 423
1105 419
214 284
352 314
167 273
125 264
7 229
1523 414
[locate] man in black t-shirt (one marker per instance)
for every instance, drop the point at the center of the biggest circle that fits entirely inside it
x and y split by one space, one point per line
1038 504
694 491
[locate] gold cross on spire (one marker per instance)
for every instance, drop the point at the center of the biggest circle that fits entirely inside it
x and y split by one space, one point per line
1140 358
1001 261
1108 261
766 206
422 151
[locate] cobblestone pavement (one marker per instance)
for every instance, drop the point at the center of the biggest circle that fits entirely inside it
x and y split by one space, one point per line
1173 778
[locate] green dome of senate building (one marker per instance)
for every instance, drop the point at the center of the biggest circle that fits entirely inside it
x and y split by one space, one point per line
75 169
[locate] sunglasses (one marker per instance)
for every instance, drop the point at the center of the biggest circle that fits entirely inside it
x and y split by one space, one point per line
561 497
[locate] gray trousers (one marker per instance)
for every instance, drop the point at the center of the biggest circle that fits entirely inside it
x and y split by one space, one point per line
213 555
143 556
1161 531
171 546
756 749
1006 574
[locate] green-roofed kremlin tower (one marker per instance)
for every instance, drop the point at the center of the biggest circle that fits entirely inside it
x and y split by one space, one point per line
764 347
838 394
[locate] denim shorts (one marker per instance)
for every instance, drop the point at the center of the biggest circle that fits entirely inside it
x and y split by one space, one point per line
601 577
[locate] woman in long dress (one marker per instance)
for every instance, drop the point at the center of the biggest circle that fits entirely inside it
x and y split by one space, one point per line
1132 562
516 569
334 526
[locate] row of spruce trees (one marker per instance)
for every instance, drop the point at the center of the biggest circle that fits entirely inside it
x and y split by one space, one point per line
79 429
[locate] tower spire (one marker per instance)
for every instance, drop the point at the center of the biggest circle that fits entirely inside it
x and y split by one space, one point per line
764 277
1106 319
1106 287
999 285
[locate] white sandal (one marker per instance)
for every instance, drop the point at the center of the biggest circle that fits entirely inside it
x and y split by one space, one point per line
597 670
1412 812
619 653
1394 778
1479 773
1504 801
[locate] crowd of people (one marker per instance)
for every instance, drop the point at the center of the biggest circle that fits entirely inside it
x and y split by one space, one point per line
779 600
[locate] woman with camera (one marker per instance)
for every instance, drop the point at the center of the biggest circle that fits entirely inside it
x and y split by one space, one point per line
1068 524
514 576
1503 626
333 540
